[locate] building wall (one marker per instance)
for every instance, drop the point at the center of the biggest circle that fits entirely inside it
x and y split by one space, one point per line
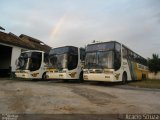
154 76
15 54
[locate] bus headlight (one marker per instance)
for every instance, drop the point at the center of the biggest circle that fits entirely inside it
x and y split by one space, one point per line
64 71
85 77
34 74
85 71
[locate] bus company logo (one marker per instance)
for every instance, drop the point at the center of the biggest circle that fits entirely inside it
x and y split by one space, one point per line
72 74
60 75
34 74
117 75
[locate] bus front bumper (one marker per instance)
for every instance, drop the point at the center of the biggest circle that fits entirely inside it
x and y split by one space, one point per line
22 75
27 75
99 77
56 76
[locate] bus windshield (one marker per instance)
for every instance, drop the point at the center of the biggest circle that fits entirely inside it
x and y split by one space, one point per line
23 60
30 61
58 61
64 57
99 60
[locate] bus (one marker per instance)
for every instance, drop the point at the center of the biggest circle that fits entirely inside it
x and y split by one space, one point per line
32 64
66 63
113 62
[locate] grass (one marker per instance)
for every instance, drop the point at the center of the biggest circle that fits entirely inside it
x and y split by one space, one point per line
146 83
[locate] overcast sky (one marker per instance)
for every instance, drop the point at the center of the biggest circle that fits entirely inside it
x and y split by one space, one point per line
135 23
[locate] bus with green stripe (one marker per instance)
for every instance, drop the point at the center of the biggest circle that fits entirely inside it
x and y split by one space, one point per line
113 62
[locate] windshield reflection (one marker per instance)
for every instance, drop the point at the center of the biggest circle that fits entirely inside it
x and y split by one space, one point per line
58 61
22 63
23 60
99 60
30 61
91 60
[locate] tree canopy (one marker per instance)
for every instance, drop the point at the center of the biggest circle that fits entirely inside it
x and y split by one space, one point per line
154 63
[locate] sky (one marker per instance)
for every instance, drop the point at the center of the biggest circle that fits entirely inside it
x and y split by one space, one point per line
135 23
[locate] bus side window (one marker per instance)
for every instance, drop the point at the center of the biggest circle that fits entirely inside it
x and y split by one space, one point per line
135 57
82 54
131 55
46 58
124 52
117 61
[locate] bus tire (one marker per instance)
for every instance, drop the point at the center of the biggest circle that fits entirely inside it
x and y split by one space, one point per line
44 76
12 75
80 80
65 80
124 78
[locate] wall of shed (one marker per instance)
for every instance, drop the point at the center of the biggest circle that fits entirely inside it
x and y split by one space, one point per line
8 59
152 75
16 51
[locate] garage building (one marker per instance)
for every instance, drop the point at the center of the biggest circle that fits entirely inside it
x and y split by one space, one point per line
11 46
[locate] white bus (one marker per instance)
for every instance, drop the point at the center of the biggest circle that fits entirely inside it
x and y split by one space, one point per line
113 62
66 63
32 64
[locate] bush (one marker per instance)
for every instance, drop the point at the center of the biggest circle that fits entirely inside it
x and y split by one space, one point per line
154 63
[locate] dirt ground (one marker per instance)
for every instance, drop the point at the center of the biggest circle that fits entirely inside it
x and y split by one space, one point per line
56 97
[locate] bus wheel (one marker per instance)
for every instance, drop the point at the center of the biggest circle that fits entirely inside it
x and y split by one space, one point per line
44 76
81 77
12 75
124 78
65 80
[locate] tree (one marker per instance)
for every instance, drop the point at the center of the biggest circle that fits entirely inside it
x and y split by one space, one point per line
154 63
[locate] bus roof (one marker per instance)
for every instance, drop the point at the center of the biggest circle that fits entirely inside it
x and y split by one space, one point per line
33 51
64 46
102 42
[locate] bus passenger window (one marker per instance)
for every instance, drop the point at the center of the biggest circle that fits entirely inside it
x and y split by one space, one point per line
46 58
117 60
82 54
124 52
